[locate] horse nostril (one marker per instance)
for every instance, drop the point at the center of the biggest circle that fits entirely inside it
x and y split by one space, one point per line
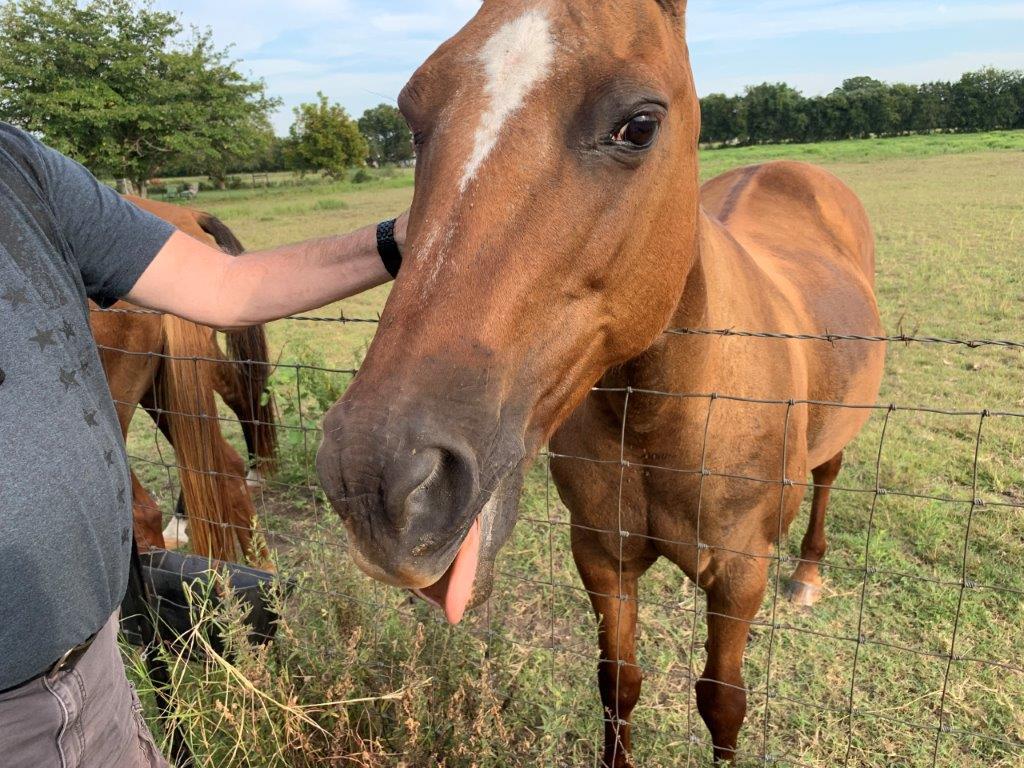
430 493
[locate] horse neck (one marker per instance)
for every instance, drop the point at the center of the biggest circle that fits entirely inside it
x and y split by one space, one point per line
694 310
681 363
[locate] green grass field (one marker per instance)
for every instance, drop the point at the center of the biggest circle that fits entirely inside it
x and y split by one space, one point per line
360 676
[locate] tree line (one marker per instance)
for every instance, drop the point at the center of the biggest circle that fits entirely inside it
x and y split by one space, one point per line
120 86
985 100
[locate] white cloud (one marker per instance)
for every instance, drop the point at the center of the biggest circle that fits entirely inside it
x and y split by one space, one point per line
822 80
715 21
948 67
412 22
275 68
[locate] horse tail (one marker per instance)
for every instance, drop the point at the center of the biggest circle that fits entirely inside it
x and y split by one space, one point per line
248 371
186 387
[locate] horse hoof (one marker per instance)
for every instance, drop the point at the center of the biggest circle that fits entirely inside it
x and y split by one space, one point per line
175 534
800 593
254 480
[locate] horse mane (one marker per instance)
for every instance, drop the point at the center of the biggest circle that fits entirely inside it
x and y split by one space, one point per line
184 392
674 8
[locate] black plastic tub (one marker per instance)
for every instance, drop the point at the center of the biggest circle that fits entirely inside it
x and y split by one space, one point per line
168 574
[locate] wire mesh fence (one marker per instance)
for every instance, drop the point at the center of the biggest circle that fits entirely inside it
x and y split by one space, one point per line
914 656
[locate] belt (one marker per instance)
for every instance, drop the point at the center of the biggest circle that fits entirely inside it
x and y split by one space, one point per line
67 661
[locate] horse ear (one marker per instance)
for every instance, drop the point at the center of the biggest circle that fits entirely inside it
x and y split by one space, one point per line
675 8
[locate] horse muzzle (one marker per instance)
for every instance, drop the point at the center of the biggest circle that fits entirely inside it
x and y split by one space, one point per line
409 493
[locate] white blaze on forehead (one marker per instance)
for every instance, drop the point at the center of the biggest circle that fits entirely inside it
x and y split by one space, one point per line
516 59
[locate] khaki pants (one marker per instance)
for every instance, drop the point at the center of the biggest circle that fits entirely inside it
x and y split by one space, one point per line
87 716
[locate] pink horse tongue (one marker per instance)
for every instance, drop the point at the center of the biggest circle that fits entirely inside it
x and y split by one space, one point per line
451 594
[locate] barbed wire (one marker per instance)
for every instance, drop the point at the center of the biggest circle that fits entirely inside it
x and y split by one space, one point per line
832 338
825 336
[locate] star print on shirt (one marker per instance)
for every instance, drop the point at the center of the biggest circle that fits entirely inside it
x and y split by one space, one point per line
69 379
15 297
108 456
44 339
68 330
120 496
90 418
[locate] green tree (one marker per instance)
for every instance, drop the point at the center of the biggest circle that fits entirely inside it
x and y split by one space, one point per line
387 134
234 114
931 110
985 100
325 139
722 119
870 107
824 118
1018 94
112 84
904 98
774 113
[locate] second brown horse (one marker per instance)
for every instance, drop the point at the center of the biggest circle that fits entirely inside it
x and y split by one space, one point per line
173 367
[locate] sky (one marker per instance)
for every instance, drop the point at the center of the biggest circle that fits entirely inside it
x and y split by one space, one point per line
360 53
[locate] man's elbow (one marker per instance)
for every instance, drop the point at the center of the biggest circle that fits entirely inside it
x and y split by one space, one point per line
230 317
232 300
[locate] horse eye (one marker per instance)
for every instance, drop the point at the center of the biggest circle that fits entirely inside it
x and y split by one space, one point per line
639 133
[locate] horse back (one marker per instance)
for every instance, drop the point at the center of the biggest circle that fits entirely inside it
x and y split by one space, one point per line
794 211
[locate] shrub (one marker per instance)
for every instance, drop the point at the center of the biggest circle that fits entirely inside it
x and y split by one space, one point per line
362 176
304 390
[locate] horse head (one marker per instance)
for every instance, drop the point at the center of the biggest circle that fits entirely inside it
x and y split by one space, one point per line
551 235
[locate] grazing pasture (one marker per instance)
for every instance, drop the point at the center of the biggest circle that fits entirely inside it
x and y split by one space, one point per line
362 676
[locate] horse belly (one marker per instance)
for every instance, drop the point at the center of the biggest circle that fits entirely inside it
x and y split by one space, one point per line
847 374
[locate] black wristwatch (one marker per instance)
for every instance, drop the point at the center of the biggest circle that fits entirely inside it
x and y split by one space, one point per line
388 248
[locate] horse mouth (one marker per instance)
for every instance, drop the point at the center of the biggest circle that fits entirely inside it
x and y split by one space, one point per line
461 586
454 590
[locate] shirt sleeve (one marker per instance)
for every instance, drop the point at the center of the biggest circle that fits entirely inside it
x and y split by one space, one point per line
112 240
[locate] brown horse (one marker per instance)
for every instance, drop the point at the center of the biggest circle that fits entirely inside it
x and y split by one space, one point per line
172 367
557 231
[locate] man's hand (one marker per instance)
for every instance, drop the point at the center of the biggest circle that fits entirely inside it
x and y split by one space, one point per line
196 281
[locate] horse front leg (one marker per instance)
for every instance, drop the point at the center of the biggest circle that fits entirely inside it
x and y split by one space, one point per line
612 586
734 598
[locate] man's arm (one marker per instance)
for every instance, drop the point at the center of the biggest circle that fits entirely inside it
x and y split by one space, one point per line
123 251
200 283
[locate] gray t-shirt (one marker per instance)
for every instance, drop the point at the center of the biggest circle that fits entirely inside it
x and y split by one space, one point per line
65 491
